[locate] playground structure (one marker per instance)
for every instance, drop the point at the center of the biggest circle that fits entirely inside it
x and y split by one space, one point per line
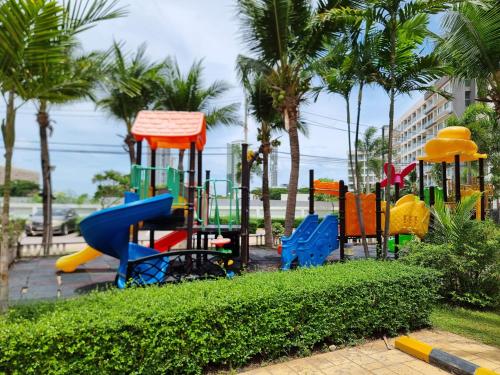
189 213
410 216
454 145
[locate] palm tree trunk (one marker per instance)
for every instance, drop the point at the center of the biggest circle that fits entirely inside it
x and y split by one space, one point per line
392 96
130 147
180 163
359 207
43 124
290 117
266 203
354 175
8 131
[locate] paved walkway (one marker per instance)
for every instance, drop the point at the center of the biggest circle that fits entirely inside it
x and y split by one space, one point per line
375 358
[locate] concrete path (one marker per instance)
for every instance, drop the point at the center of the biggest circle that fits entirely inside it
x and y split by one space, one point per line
374 358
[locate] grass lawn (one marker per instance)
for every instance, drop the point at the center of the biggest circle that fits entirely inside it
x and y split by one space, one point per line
483 326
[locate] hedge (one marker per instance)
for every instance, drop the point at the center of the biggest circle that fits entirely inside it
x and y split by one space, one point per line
190 327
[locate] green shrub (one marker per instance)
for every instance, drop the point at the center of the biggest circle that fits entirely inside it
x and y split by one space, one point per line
189 327
470 269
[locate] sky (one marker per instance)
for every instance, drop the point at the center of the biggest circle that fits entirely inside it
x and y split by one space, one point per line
186 30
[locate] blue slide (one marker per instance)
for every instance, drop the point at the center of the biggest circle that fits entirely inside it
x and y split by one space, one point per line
311 242
108 230
290 244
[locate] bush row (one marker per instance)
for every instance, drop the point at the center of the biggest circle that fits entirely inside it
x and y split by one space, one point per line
190 327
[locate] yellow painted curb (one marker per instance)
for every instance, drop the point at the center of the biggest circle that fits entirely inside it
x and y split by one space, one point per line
414 348
485 371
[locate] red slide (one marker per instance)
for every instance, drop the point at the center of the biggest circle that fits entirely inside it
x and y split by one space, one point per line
170 240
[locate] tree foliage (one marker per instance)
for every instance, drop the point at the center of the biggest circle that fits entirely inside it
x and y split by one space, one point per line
111 186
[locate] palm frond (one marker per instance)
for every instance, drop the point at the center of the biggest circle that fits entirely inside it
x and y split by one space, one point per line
84 14
226 115
450 225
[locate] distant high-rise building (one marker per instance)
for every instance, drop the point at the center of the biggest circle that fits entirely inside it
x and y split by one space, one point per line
368 177
426 117
273 168
233 161
164 159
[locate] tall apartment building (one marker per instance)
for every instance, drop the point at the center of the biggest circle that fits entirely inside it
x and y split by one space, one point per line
164 159
426 117
233 160
368 177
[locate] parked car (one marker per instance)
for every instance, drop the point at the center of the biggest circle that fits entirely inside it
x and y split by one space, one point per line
64 221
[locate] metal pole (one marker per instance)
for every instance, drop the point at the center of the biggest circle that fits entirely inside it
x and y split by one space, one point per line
432 202
311 191
378 218
138 156
421 181
153 193
481 189
245 201
457 179
191 193
444 182
383 149
199 195
138 161
342 191
396 236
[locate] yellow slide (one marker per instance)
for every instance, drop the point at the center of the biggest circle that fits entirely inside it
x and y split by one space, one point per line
69 263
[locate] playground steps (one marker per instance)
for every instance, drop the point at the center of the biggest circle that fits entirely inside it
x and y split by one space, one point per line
290 244
314 250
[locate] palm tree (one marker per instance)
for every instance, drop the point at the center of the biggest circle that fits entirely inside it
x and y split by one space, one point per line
470 45
27 31
401 65
60 83
262 109
131 84
338 71
71 81
179 92
35 37
283 41
371 147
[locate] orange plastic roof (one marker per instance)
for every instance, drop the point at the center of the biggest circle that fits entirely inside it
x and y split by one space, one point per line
324 187
168 129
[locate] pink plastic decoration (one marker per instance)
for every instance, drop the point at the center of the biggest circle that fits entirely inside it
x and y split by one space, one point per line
397 177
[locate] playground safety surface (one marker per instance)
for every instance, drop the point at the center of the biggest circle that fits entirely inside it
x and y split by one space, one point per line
37 279
375 358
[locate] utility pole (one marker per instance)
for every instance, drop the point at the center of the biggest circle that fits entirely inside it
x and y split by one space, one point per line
245 124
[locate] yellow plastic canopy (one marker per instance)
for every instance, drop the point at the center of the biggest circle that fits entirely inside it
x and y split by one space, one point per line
451 141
